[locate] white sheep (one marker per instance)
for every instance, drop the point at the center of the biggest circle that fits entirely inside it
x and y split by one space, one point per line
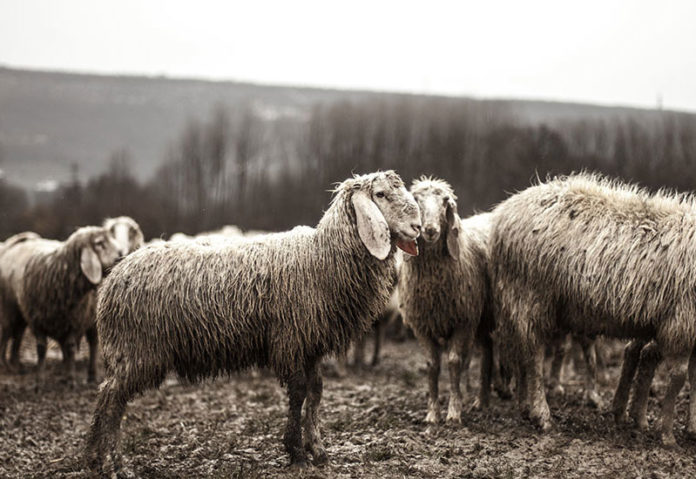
444 292
283 301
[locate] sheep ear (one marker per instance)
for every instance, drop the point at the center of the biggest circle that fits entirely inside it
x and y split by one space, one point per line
372 227
452 228
90 265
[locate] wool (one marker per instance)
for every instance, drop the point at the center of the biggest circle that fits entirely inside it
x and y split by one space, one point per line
204 308
444 295
594 256
42 285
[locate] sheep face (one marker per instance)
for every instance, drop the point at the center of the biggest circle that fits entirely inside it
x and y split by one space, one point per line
126 233
438 206
98 251
386 212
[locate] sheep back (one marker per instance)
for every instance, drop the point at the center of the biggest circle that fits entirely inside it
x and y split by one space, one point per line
204 308
600 256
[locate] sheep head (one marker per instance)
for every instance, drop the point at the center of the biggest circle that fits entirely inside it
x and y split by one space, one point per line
385 212
438 206
97 249
126 233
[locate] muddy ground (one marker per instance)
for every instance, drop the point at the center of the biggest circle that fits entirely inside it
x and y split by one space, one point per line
372 425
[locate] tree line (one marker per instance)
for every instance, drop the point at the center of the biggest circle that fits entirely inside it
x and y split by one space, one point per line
240 167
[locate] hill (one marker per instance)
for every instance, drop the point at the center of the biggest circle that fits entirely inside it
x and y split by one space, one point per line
50 120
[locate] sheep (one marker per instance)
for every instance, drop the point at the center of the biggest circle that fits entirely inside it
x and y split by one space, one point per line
281 301
582 247
42 283
444 292
128 237
8 329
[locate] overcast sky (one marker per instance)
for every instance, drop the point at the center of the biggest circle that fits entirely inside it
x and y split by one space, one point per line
608 51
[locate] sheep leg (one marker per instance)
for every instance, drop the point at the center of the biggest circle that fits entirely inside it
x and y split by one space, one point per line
312 438
103 437
434 353
359 351
17 335
539 409
691 428
68 349
590 353
650 357
501 377
4 339
297 391
458 350
93 341
466 363
522 390
380 328
560 346
677 368
484 397
41 344
628 372
601 352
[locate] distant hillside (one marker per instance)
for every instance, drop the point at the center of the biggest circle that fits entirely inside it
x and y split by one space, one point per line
50 120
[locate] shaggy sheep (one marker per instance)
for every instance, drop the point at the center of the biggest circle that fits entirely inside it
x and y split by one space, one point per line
586 247
282 301
444 292
10 329
42 283
128 237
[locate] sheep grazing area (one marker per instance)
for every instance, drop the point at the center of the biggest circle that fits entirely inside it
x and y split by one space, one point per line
372 422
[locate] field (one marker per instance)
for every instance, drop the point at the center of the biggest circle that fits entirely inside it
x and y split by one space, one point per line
372 425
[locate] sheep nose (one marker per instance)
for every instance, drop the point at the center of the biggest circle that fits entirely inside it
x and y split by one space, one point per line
430 231
416 226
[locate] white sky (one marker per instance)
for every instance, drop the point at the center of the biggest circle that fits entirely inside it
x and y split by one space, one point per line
600 51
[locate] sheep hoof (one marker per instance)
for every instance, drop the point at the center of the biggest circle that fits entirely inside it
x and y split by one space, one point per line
641 424
320 457
454 418
621 417
503 393
300 463
541 420
594 399
557 390
432 417
668 440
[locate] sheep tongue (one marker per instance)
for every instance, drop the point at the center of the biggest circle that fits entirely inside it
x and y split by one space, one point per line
410 247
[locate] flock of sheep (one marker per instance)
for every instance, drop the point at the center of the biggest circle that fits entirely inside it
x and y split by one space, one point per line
579 254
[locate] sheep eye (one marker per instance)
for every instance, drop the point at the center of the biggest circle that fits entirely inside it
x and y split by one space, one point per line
380 194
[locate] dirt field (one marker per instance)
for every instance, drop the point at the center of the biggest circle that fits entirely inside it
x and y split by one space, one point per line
372 425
